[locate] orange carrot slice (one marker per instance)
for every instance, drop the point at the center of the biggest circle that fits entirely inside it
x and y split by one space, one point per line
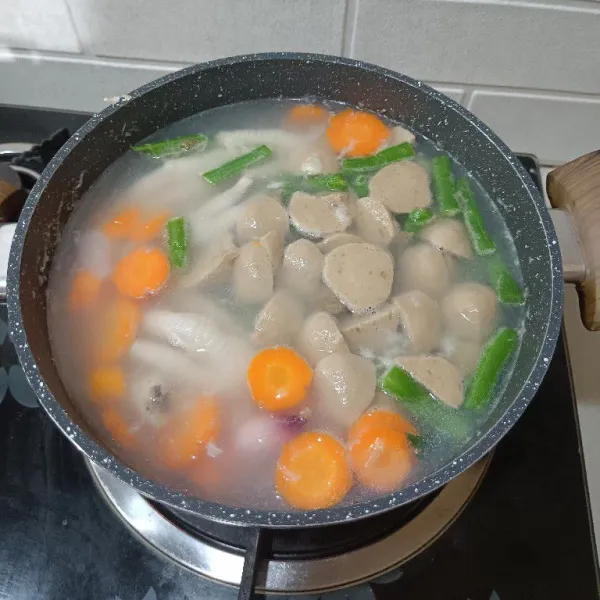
149 229
107 384
183 440
307 114
142 272
278 378
381 418
381 458
122 224
117 329
118 428
84 290
313 472
356 133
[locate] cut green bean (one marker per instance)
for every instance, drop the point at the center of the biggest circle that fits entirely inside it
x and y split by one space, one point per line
359 184
192 144
507 289
480 238
417 219
237 165
417 442
379 160
493 360
177 242
443 186
330 182
417 400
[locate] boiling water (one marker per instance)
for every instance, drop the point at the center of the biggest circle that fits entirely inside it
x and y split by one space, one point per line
245 454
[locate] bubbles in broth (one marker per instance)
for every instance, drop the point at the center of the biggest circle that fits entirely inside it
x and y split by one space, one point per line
325 319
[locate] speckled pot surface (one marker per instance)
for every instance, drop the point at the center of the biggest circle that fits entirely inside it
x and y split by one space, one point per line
109 134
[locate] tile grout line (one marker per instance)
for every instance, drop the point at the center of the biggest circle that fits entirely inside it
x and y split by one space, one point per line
349 29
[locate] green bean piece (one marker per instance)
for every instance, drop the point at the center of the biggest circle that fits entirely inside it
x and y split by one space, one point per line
480 238
417 219
443 186
493 360
173 148
359 184
507 289
418 401
237 165
312 184
334 182
177 242
417 442
379 160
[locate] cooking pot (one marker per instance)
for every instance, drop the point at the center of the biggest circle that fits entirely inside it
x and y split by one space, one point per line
110 134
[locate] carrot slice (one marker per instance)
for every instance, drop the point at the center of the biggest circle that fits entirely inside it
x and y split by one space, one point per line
107 383
307 114
84 290
141 272
117 329
313 472
122 224
148 229
183 440
381 458
381 418
278 378
118 428
356 133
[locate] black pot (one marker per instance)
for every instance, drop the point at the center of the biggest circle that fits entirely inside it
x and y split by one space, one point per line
101 141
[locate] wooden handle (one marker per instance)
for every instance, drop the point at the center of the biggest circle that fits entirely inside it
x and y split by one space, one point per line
575 187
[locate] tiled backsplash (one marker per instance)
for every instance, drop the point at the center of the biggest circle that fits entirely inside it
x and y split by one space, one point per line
498 57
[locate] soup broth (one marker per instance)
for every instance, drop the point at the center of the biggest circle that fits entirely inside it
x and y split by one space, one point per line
327 318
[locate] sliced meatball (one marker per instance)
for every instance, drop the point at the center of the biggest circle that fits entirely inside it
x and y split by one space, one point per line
331 242
302 267
463 354
260 215
319 216
437 374
420 319
400 135
319 337
360 275
450 236
253 274
272 242
214 263
344 385
401 186
374 223
325 300
374 332
469 311
279 321
422 267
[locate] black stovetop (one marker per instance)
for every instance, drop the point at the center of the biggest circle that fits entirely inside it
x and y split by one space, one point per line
526 534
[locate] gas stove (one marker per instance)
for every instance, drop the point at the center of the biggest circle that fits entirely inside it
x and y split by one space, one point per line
515 526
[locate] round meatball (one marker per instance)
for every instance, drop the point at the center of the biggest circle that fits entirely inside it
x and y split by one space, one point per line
422 267
469 311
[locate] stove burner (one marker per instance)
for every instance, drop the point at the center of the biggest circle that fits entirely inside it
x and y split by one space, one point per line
312 560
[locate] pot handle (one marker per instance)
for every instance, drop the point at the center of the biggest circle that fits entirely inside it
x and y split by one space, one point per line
575 188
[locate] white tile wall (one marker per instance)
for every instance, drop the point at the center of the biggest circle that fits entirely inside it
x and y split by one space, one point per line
520 44
556 128
68 83
529 68
37 24
199 30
